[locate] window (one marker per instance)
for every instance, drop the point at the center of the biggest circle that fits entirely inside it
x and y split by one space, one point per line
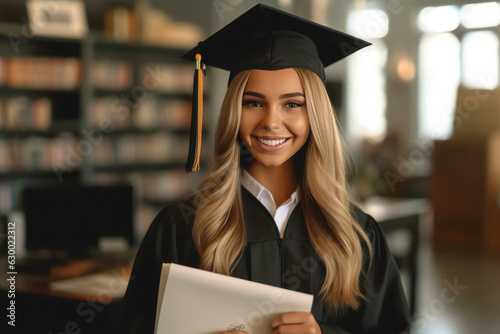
459 46
480 60
366 82
368 23
438 19
439 79
481 15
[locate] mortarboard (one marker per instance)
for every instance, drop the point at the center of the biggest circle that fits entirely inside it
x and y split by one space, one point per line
269 39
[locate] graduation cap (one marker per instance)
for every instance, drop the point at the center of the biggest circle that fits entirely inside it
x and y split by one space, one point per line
268 39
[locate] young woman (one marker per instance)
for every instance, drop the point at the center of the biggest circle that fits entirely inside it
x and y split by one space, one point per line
275 208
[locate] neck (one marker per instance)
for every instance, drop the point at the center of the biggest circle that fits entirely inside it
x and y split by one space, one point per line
280 180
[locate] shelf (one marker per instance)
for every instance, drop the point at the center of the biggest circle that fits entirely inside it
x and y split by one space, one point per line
98 40
142 131
9 29
101 40
22 134
14 44
8 90
139 167
102 92
159 203
84 108
56 129
46 175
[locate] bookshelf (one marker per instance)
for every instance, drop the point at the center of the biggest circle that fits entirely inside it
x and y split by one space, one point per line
95 111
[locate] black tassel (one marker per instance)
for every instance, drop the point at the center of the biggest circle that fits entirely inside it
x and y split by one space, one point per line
193 160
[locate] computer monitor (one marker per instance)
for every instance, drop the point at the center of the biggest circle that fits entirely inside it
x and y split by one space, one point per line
74 217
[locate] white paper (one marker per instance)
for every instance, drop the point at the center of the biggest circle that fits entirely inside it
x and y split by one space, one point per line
194 301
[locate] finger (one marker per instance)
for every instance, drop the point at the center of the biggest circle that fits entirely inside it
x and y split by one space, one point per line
292 318
296 329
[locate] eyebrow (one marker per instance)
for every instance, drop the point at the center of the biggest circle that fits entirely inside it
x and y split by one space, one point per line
283 96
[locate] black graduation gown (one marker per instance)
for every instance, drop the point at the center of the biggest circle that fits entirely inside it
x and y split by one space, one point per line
290 262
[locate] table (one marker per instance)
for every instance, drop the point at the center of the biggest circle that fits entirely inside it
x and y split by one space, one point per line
401 221
41 309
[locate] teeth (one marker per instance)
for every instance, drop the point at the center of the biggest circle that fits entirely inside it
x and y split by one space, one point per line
271 142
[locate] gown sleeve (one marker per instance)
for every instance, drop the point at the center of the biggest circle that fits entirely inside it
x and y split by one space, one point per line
385 309
164 242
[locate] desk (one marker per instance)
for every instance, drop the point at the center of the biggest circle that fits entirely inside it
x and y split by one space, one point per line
400 220
465 186
40 309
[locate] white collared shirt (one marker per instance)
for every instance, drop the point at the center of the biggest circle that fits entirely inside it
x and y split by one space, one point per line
264 196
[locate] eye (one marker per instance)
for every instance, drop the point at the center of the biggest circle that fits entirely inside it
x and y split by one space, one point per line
293 104
252 103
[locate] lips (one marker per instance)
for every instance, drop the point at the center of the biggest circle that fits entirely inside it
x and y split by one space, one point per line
271 142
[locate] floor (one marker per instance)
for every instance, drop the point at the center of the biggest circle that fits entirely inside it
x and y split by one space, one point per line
458 293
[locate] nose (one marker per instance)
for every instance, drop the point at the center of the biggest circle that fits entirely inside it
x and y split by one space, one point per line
271 119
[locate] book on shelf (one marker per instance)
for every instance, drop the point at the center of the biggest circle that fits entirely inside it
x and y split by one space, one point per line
43 72
146 114
152 148
111 112
168 78
195 301
10 196
111 74
41 114
168 185
12 111
38 153
154 112
175 112
6 198
23 113
3 71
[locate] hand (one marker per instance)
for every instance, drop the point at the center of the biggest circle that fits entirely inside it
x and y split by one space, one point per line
234 332
295 322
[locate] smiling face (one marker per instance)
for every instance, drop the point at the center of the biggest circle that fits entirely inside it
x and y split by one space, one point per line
274 123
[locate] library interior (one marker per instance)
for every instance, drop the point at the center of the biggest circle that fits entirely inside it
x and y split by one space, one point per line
95 116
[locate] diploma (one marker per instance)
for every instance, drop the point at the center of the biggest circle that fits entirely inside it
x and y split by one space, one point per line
195 301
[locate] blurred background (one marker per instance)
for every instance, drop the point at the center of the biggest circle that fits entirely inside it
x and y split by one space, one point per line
94 124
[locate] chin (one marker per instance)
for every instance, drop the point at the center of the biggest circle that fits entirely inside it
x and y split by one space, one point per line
270 163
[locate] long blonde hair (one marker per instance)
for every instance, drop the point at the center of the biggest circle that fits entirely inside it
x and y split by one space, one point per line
219 231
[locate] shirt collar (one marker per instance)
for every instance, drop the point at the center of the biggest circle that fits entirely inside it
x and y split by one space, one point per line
259 191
